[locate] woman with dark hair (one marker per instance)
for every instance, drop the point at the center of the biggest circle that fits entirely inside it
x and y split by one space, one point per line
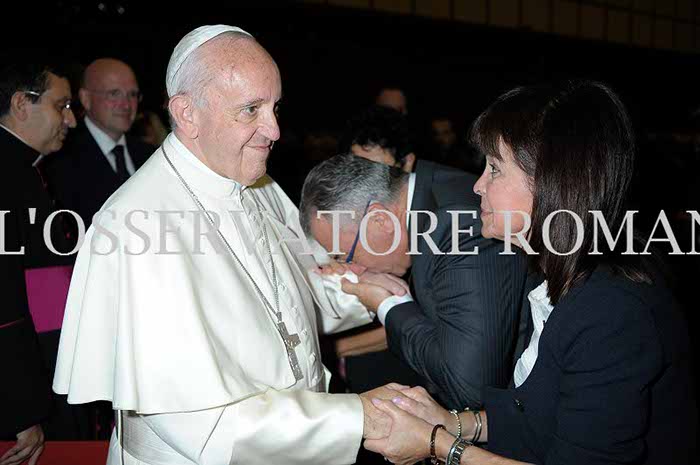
605 376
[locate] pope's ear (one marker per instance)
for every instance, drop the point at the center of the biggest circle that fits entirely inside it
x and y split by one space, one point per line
182 112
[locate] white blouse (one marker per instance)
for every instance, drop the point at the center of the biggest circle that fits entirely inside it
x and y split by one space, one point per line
540 309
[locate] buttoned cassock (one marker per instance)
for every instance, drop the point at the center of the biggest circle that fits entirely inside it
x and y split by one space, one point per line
164 323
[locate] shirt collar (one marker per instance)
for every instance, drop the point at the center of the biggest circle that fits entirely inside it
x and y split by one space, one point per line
198 175
539 293
409 196
539 300
103 140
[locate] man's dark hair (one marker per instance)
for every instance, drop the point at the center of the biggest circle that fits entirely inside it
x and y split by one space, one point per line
574 141
22 76
378 126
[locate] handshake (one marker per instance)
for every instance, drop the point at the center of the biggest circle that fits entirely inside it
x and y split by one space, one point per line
398 421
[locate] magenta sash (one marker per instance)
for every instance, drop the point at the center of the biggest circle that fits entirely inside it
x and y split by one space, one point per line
47 291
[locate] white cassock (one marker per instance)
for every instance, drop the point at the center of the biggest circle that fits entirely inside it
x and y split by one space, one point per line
169 328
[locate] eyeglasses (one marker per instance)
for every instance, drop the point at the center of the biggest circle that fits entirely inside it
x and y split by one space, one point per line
61 107
117 95
351 254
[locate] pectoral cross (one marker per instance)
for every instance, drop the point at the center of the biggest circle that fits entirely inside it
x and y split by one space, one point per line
290 342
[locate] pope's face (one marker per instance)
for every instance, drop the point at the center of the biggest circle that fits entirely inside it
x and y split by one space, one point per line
237 125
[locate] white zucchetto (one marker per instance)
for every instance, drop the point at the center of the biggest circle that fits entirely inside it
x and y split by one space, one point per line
189 44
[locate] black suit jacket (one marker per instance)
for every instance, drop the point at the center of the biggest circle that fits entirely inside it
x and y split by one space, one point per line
612 382
80 177
460 332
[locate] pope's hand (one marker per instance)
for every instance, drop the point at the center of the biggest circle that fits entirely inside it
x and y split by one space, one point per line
377 424
339 268
409 439
388 391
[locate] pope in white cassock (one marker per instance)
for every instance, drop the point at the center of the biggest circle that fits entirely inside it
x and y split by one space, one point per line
191 307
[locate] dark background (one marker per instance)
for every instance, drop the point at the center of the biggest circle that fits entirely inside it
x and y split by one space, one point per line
333 59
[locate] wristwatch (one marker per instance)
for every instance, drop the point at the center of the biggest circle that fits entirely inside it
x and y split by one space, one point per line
456 451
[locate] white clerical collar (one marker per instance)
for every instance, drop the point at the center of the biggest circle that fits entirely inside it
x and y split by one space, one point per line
103 140
41 155
409 196
196 173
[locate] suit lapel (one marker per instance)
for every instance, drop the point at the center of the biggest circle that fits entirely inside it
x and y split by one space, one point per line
423 199
137 152
525 326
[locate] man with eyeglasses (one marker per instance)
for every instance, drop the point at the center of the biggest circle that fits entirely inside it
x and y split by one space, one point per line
100 156
35 116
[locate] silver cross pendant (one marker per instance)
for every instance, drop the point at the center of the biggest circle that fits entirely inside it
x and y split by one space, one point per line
290 342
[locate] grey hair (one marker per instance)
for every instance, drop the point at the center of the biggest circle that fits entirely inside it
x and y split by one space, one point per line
196 73
348 182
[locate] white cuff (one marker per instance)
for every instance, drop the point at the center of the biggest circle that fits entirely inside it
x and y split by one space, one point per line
391 302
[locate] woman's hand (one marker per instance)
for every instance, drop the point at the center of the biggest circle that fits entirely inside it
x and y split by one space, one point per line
409 439
418 402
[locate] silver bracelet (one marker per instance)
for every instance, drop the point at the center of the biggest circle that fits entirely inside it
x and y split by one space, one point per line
451 453
456 451
477 432
476 422
459 422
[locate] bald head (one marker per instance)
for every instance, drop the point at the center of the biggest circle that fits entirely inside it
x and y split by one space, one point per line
110 95
104 69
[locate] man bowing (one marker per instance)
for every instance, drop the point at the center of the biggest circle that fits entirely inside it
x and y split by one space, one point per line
191 307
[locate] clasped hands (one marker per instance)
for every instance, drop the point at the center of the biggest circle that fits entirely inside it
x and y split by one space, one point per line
398 421
372 288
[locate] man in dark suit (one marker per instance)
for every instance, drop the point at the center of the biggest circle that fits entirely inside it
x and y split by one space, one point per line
380 134
458 326
100 156
35 116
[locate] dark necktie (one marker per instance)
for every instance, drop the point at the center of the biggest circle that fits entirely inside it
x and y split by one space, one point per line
122 173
